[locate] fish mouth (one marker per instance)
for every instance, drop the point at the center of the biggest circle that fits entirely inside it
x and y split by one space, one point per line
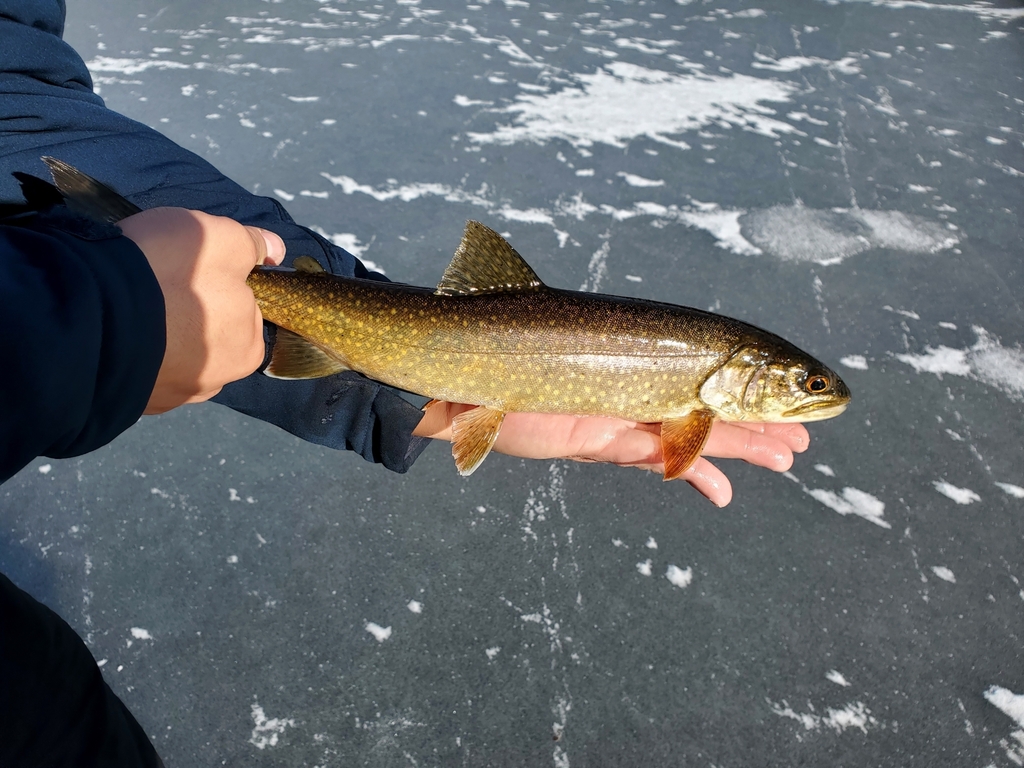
817 411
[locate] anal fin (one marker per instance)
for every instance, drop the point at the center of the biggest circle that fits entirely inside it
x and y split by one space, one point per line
295 358
683 439
473 436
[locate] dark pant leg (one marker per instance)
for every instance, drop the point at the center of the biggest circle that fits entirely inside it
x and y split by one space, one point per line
55 708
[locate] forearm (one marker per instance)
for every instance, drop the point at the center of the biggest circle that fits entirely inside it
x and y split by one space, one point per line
83 341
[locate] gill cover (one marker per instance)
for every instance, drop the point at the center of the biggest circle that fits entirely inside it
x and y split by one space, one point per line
775 384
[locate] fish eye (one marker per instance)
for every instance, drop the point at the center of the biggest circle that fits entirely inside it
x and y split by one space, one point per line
816 384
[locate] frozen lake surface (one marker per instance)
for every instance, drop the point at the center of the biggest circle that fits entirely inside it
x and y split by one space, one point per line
849 175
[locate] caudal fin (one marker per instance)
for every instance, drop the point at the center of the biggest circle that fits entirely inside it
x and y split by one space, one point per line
84 195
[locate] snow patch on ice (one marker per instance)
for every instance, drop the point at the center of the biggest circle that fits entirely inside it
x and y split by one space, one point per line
959 495
348 241
853 715
837 678
856 362
680 577
380 633
1011 704
267 732
1014 490
982 10
141 634
797 233
639 181
944 573
724 226
624 101
790 233
847 65
987 361
852 501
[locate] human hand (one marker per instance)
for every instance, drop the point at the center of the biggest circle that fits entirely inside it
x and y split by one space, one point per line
632 444
214 328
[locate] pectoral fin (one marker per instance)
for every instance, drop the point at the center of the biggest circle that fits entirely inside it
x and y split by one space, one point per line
683 439
295 358
307 264
473 435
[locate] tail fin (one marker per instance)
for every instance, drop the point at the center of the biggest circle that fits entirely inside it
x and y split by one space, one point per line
84 195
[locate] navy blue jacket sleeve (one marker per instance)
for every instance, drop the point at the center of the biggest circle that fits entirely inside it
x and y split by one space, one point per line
83 320
48 107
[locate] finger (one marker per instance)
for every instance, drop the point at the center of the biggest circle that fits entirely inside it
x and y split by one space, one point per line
436 422
592 438
710 482
270 248
615 441
795 436
729 441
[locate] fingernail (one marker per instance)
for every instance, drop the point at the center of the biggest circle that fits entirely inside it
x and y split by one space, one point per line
275 247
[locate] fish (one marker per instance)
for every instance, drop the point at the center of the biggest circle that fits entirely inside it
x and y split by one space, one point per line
493 335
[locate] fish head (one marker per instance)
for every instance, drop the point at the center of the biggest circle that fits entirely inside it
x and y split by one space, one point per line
774 382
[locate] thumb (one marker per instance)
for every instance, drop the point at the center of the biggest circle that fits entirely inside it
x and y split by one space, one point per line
270 247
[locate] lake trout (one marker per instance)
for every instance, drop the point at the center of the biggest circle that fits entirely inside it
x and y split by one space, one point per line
492 334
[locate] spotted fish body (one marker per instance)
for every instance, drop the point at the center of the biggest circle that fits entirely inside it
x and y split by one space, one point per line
492 334
548 351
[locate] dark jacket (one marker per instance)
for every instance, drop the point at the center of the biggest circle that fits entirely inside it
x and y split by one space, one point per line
82 318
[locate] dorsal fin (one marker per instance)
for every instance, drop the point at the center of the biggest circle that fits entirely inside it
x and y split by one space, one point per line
307 264
486 263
